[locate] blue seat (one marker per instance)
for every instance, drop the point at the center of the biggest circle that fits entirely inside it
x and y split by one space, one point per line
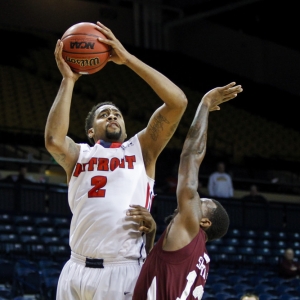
236 279
17 250
281 235
214 278
277 252
223 296
61 222
227 249
9 238
285 289
30 239
288 297
51 240
296 283
43 221
242 288
6 218
245 272
264 288
219 287
293 236
279 244
47 231
63 232
48 263
231 242
234 233
294 244
212 248
248 243
38 251
27 229
264 243
267 296
263 251
5 292
276 281
7 228
246 250
266 235
259 279
7 271
249 234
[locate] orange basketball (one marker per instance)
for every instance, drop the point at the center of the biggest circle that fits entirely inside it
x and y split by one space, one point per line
82 51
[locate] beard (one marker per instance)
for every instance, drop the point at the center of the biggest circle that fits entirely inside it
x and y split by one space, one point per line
114 136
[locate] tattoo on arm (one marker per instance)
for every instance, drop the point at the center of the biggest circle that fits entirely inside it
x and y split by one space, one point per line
60 158
157 126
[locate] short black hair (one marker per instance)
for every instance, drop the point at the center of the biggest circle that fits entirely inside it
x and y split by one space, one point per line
219 222
91 115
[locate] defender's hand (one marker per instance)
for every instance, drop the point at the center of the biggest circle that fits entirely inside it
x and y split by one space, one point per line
142 217
219 95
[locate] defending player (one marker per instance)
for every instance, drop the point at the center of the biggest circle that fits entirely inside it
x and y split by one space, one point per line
107 246
178 265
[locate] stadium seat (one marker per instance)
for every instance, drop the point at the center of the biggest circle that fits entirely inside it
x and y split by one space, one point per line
44 221
279 244
249 234
24 220
234 233
248 243
231 242
242 288
267 296
6 219
223 296
7 228
47 231
219 287
264 243
263 251
264 288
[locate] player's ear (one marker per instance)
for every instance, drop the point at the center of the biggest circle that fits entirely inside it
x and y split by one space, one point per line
91 133
205 223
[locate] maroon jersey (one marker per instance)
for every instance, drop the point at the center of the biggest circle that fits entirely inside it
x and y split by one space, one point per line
174 275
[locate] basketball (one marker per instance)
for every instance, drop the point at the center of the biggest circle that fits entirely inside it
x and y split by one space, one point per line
81 49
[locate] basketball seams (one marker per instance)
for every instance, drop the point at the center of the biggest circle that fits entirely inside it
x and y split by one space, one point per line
82 51
84 34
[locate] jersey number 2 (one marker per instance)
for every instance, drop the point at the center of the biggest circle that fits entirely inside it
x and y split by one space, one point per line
97 190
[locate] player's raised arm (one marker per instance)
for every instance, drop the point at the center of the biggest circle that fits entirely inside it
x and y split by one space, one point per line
62 148
165 119
194 150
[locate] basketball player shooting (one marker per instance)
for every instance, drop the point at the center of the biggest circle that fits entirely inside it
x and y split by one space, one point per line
177 266
106 179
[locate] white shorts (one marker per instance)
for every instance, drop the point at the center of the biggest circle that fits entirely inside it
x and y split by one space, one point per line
116 281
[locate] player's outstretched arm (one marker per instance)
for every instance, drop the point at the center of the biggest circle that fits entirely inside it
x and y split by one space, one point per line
62 148
165 119
194 149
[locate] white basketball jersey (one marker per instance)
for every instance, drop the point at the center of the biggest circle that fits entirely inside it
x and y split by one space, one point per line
105 181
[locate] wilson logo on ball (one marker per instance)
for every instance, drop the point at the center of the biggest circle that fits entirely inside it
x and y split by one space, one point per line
82 50
83 62
82 45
